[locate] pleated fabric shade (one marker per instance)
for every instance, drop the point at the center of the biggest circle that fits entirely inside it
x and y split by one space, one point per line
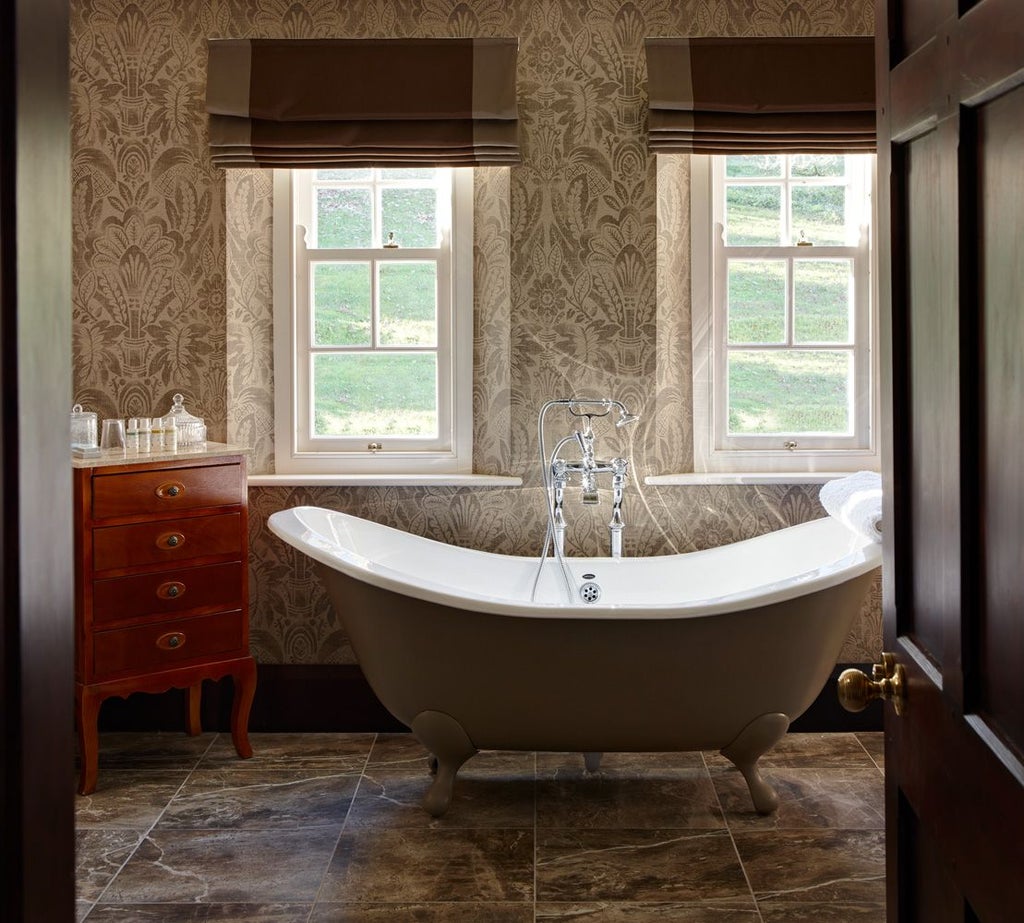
362 102
761 95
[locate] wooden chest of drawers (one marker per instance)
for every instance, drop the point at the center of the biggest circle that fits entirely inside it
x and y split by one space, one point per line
161 585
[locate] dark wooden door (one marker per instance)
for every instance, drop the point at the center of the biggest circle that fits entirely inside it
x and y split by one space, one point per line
951 183
37 835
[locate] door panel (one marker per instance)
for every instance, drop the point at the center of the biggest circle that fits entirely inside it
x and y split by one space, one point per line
917 23
951 145
934 446
1000 143
925 863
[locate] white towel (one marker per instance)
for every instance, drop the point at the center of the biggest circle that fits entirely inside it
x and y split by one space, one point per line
856 501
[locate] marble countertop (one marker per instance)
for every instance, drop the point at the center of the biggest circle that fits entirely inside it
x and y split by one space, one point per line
108 457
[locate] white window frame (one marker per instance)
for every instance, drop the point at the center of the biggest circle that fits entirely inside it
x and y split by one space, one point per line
297 450
715 450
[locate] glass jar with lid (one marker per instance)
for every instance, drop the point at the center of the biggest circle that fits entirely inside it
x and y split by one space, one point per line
191 430
84 428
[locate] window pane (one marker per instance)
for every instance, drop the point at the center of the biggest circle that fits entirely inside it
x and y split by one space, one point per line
753 165
819 212
341 304
757 301
375 395
344 218
411 215
817 165
790 392
353 175
407 173
753 215
823 301
408 304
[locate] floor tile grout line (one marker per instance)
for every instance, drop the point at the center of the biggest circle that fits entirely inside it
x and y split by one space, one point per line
149 829
344 825
732 839
871 756
195 767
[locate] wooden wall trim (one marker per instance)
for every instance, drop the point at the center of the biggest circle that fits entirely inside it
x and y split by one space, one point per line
336 697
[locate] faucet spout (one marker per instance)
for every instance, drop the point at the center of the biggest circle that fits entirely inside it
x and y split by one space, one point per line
619 467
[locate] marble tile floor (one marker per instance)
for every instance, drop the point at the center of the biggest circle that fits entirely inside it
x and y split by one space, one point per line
327 828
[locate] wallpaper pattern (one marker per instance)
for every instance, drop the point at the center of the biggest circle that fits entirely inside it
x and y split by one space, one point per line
580 270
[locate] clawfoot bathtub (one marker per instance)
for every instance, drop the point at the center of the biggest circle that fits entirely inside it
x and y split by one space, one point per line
717 649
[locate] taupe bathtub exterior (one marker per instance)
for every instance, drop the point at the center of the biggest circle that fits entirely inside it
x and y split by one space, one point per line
452 645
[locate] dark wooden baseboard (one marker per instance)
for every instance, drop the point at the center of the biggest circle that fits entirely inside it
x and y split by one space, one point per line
289 697
336 697
826 714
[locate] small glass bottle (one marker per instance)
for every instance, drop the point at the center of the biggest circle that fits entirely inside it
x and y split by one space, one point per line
145 441
170 434
156 430
132 436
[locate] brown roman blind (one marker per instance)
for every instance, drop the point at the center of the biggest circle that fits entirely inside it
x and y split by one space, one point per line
362 102
758 95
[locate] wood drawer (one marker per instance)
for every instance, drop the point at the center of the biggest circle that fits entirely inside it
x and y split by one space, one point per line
163 644
166 491
166 541
167 592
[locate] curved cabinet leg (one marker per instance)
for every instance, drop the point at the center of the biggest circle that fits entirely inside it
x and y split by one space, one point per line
244 677
444 737
756 739
592 761
194 724
87 713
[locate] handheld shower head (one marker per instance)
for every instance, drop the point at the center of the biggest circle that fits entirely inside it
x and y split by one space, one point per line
625 417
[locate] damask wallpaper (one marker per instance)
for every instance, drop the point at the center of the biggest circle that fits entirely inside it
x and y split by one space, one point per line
580 270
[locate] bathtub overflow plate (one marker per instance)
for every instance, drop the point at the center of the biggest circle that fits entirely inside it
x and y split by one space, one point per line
590 592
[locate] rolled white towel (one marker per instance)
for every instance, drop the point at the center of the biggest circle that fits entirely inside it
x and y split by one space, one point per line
856 501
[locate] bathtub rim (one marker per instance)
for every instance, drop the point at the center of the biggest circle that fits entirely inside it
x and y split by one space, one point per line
288 526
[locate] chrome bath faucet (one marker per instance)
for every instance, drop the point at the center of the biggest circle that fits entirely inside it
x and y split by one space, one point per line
559 471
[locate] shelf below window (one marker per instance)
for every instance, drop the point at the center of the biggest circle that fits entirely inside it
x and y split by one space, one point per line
383 480
748 477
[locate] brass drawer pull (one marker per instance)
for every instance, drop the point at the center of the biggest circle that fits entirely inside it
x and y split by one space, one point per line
170 540
170 490
172 589
171 641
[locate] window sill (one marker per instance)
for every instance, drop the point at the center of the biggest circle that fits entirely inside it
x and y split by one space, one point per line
740 477
383 480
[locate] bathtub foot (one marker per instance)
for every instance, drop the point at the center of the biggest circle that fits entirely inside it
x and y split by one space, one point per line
756 739
450 746
592 761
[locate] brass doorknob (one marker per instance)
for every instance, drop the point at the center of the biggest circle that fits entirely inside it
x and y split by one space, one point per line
888 682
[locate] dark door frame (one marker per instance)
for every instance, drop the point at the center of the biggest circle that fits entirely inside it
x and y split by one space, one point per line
37 637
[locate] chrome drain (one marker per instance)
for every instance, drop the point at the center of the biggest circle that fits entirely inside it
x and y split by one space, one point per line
590 592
